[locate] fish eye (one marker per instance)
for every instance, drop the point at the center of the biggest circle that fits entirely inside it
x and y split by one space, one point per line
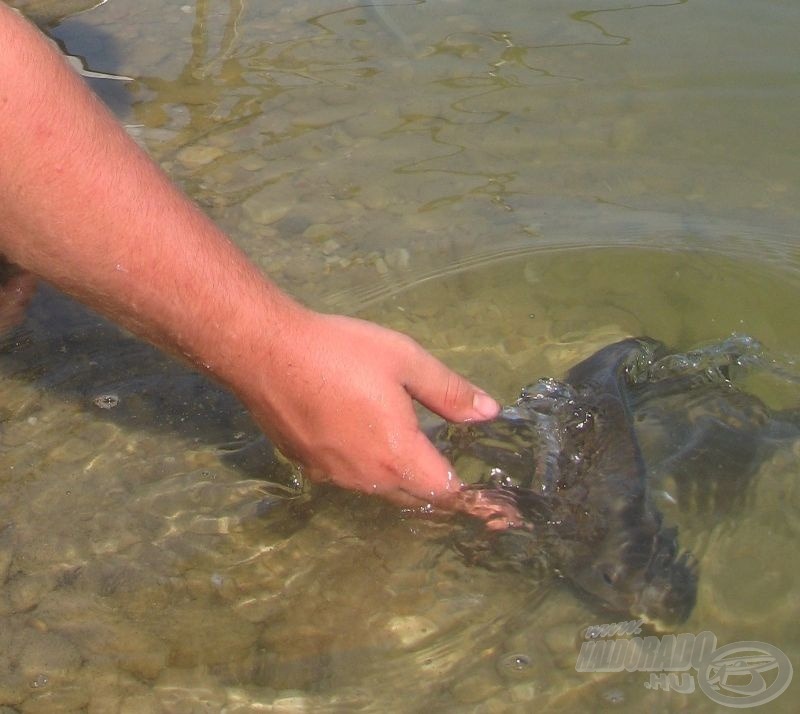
609 577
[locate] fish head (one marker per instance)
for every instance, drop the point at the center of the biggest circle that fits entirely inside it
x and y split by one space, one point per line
670 588
643 577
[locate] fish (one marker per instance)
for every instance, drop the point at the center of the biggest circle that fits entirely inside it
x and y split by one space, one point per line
583 458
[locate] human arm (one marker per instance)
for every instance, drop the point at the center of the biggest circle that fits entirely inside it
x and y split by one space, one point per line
84 208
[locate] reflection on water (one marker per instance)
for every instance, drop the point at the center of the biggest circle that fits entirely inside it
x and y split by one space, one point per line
445 168
366 143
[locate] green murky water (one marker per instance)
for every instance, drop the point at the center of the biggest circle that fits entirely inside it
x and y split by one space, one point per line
515 184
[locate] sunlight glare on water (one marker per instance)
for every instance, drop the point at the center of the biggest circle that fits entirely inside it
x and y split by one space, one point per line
513 184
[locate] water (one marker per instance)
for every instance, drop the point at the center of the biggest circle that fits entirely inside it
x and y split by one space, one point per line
514 185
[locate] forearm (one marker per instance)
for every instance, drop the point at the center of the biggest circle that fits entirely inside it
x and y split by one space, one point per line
84 208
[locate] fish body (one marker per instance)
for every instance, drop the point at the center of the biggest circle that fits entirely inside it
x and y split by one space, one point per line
582 457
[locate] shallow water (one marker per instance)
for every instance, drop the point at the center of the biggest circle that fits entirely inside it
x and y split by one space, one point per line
514 185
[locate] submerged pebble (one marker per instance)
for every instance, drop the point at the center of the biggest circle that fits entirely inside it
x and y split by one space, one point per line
25 590
48 656
199 155
411 630
264 208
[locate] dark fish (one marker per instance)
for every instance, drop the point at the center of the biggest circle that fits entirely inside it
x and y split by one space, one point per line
574 457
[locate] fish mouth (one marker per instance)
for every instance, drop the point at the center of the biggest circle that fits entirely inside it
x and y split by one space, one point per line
670 594
656 623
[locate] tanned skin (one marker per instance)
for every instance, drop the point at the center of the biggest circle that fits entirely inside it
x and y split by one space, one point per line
84 208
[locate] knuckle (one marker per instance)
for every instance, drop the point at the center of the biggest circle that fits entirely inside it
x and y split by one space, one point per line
455 391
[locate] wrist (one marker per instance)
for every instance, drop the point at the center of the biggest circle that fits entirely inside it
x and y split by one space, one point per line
257 342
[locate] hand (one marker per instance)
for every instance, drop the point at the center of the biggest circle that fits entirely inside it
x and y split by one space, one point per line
334 393
337 399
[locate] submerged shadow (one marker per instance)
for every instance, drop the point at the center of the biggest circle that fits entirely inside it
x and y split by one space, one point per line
64 349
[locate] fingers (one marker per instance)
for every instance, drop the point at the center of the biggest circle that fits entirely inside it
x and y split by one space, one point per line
431 478
428 488
367 437
495 508
447 393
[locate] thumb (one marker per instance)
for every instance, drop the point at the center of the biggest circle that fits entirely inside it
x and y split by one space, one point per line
446 393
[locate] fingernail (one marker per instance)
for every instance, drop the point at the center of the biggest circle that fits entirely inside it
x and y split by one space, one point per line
484 405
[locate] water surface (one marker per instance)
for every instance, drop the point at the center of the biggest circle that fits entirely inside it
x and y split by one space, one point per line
514 185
